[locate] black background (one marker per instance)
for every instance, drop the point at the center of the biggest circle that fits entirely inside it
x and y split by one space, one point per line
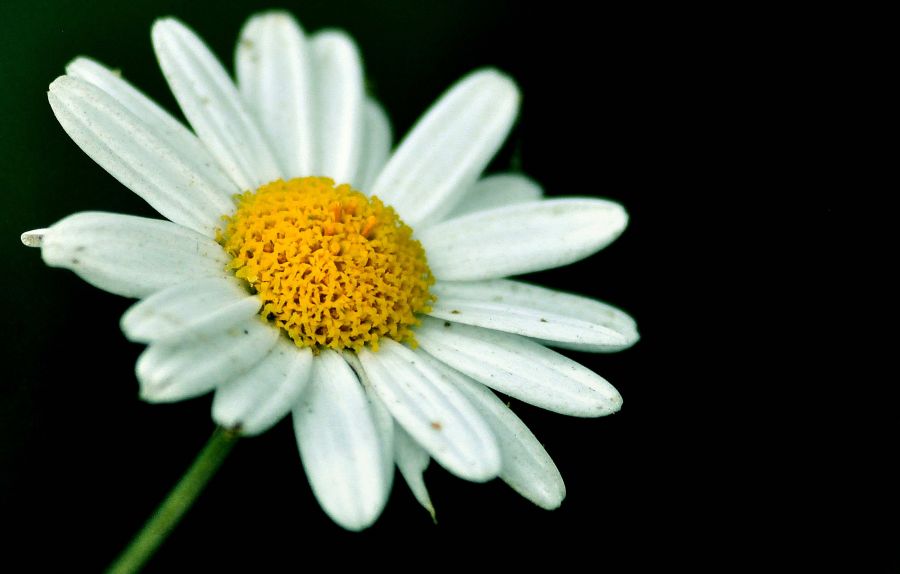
661 110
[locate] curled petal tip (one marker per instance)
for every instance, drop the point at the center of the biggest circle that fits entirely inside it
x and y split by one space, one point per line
33 238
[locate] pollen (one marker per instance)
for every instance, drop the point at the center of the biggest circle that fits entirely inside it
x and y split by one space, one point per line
334 268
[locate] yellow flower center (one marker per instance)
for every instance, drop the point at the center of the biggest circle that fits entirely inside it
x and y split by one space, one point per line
333 267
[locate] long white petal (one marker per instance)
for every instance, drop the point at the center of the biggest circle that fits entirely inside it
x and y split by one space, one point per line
432 411
339 105
340 444
172 370
526 466
212 105
274 72
142 157
449 147
385 424
497 191
377 139
521 238
412 461
130 256
166 127
519 368
383 420
187 307
551 316
262 396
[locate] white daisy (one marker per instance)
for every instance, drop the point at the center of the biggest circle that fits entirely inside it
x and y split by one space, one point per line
283 289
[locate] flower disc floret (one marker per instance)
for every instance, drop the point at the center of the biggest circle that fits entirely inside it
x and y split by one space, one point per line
333 267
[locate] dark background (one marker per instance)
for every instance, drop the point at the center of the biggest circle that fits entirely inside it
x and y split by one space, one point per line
660 110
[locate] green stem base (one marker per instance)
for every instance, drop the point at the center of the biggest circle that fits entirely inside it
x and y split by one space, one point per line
176 504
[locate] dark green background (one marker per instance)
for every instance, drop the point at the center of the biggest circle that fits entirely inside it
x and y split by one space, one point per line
633 105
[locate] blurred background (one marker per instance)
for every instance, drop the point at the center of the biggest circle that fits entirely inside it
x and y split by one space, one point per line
608 111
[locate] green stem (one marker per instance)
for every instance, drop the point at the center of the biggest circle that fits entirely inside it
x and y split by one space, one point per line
180 499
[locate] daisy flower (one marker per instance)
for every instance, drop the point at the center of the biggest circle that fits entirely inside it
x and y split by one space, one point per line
307 267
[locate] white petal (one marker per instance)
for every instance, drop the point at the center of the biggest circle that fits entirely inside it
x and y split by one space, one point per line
339 105
432 411
213 106
376 146
340 444
142 157
449 147
160 122
521 238
385 424
262 396
545 314
274 71
130 256
526 466
196 306
519 368
172 370
497 191
412 460
383 419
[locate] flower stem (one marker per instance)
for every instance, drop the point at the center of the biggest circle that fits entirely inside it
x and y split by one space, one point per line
180 499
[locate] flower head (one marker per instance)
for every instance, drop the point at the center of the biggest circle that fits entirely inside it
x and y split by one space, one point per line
305 268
